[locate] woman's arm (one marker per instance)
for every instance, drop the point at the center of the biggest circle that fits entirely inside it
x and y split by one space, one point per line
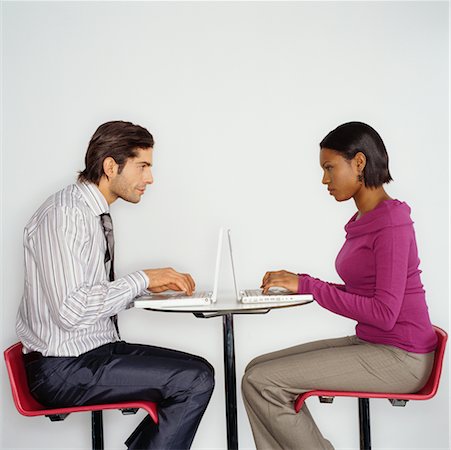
391 250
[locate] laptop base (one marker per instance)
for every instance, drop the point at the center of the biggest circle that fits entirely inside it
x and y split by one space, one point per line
159 300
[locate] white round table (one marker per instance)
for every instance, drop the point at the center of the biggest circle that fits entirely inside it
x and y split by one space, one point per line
226 307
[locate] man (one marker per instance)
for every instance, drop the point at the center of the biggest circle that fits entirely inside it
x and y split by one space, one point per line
73 353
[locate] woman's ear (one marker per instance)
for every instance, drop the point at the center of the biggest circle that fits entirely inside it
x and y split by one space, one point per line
360 160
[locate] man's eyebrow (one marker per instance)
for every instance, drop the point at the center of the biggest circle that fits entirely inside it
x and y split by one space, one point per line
148 164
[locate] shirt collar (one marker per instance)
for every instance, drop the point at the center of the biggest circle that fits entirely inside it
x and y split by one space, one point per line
93 197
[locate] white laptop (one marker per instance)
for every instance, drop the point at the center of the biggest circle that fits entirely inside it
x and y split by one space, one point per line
275 295
181 299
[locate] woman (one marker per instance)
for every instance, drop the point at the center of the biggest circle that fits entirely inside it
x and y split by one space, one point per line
393 349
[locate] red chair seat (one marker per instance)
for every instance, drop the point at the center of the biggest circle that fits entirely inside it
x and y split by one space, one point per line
27 405
428 391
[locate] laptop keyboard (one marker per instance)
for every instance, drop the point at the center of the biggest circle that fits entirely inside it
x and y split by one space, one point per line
176 295
253 292
273 292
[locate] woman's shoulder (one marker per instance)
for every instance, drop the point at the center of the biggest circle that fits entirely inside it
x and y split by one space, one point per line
388 214
396 212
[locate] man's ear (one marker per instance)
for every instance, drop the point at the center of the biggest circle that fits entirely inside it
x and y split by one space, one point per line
109 167
360 160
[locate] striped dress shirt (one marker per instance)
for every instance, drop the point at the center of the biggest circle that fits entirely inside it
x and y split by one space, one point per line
68 301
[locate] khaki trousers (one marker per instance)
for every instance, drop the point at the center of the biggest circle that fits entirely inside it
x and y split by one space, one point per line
272 382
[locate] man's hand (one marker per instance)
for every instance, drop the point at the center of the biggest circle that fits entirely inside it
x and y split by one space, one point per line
280 278
164 279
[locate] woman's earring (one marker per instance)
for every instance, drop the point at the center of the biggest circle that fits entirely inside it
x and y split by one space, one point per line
360 177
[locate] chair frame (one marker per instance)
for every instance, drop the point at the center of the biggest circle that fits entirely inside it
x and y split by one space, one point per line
28 406
428 391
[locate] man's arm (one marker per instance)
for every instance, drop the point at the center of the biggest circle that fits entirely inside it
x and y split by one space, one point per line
72 273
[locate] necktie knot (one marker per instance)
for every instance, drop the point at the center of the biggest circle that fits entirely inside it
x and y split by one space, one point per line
107 223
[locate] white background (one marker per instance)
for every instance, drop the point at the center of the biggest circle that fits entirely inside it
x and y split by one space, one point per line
237 96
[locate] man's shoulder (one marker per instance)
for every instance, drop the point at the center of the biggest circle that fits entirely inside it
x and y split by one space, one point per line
67 201
69 197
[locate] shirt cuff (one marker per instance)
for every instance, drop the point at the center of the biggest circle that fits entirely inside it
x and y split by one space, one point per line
137 282
300 284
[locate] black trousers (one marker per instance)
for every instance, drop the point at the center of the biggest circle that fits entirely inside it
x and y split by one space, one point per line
180 383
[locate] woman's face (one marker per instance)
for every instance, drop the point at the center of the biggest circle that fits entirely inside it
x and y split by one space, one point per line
341 175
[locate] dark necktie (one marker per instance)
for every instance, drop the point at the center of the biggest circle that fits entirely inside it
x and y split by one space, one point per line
107 225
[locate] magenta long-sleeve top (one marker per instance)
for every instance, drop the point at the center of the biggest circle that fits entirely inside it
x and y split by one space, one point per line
382 287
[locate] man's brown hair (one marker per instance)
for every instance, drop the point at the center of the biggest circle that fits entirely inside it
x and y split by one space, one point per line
119 140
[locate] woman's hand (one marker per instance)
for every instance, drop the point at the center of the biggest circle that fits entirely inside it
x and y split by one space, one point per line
280 278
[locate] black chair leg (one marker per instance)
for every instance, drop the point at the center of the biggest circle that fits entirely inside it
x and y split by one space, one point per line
97 430
364 422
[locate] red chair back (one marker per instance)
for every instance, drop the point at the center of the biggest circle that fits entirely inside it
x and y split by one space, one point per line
23 400
430 388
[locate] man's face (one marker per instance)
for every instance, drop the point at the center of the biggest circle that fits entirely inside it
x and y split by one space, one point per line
131 183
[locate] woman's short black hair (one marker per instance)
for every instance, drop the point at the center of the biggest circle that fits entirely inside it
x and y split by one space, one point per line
353 137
